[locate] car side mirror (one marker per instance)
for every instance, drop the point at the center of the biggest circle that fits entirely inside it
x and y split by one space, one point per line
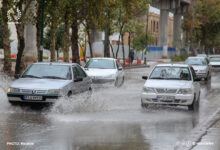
17 76
120 68
145 77
78 79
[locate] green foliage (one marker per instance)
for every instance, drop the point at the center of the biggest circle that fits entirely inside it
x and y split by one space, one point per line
140 41
206 23
59 38
182 57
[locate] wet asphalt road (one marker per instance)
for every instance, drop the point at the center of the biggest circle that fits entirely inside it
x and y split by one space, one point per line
111 120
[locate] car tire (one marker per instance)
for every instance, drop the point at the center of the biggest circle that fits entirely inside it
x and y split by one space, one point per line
69 94
143 105
13 103
192 107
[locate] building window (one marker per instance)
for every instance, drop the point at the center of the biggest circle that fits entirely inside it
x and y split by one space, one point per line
157 27
154 27
151 28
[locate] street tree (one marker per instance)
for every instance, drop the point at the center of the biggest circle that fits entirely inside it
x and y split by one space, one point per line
19 15
5 42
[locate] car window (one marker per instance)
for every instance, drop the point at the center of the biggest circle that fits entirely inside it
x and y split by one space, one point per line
81 72
170 73
101 64
196 61
48 71
193 73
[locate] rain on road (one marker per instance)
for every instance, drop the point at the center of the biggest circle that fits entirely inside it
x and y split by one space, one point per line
112 119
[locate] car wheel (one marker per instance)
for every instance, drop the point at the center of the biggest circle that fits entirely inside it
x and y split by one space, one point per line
193 105
143 105
116 83
69 94
13 103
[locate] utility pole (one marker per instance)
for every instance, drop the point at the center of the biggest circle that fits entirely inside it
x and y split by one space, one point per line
42 31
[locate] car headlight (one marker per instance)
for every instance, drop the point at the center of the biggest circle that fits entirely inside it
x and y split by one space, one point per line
185 91
54 91
13 90
148 90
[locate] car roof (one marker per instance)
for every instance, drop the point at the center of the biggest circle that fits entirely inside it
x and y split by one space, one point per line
196 57
103 58
214 56
56 63
173 65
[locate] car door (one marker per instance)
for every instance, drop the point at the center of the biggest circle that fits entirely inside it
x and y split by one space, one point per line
196 85
86 82
76 88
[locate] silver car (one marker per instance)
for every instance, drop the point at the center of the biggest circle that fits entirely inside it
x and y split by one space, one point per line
201 66
215 62
105 70
46 82
171 84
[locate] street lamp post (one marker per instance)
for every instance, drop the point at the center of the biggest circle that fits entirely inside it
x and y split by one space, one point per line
42 31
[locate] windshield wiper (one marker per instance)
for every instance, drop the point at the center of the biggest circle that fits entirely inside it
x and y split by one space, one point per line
53 77
30 76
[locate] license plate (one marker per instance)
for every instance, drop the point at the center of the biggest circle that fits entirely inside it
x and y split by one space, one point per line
35 98
166 98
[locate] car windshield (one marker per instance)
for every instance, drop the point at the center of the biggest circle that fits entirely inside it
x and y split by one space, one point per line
48 71
100 64
171 73
215 59
195 61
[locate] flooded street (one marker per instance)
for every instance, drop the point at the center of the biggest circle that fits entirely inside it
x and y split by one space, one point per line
112 119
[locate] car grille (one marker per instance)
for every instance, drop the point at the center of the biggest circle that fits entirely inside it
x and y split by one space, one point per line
168 91
27 91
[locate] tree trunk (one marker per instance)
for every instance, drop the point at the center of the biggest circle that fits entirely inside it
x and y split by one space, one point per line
108 42
74 41
66 36
21 44
38 27
90 44
6 41
129 41
53 40
119 37
113 54
123 49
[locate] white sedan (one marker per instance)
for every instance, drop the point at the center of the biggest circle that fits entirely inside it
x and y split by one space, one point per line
172 84
105 70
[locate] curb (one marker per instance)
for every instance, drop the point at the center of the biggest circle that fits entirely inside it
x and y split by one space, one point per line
198 132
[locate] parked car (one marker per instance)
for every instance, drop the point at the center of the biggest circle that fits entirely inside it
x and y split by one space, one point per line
171 84
105 70
215 62
46 82
202 55
201 66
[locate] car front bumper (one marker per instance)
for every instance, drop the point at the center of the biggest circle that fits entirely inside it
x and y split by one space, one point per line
178 99
19 97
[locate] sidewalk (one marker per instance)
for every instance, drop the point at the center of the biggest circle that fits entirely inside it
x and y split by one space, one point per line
206 136
211 140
